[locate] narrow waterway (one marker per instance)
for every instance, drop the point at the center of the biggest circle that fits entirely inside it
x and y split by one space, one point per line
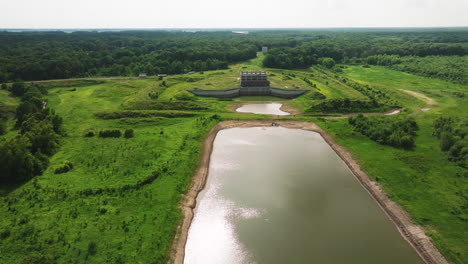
262 108
278 195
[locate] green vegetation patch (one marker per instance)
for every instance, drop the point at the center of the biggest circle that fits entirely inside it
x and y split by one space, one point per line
142 113
395 131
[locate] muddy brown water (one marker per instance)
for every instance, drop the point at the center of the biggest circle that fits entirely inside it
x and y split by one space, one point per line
278 195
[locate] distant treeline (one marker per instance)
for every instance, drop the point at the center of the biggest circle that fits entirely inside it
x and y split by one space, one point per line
450 68
394 131
40 129
58 55
347 48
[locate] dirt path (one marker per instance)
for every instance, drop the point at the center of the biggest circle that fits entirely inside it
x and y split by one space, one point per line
429 101
411 232
392 111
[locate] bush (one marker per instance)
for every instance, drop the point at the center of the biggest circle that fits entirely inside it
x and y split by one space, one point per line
89 134
110 133
128 133
66 167
3 127
4 234
92 248
387 130
153 95
142 114
446 141
453 135
345 106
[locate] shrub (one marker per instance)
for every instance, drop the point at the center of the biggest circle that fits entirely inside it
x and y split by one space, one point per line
141 114
4 234
92 248
110 133
453 135
345 106
387 130
3 127
153 95
89 134
66 167
128 133
446 141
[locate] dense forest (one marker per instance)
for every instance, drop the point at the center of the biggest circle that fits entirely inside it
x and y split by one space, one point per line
56 55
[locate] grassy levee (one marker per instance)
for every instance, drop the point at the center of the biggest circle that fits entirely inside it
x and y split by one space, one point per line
431 188
120 202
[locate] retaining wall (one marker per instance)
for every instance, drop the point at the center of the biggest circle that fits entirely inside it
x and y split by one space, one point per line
250 91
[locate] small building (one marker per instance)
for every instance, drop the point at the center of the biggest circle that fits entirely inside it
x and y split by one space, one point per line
191 72
254 79
142 75
162 75
264 50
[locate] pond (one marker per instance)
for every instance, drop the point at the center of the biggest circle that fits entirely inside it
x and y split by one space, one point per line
278 195
263 108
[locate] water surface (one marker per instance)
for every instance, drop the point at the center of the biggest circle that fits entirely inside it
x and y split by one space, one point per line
277 195
262 108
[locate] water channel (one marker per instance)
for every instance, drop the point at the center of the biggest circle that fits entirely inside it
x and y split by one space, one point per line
262 108
278 195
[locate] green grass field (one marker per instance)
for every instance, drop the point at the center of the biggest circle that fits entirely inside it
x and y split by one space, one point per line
120 202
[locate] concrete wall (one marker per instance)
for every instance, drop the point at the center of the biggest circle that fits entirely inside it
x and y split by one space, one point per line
250 91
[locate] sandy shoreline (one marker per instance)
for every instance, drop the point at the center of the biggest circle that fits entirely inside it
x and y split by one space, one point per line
411 232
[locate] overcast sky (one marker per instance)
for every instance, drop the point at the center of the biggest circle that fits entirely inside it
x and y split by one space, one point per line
231 14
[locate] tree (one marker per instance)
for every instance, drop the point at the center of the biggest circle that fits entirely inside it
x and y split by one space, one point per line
17 163
327 62
446 140
18 89
42 136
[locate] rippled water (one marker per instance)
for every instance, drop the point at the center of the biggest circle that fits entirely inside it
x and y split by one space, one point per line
262 108
277 195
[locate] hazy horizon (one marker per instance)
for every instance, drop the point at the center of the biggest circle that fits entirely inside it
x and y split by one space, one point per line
242 14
